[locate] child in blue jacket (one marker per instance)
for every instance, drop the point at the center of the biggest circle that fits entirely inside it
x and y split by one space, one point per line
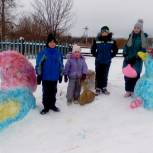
104 48
49 67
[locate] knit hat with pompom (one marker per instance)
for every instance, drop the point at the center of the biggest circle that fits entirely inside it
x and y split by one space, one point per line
76 48
139 24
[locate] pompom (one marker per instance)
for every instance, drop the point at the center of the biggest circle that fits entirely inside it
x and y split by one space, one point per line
140 21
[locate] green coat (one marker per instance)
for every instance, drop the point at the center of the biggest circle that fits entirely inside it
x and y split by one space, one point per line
131 53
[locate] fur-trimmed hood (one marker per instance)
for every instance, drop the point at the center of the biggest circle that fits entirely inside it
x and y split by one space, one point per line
105 38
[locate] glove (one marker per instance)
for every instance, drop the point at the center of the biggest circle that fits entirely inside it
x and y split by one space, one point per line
83 77
132 61
65 78
124 55
60 79
39 78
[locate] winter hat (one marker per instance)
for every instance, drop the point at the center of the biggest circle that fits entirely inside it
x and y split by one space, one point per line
143 37
50 38
139 24
76 48
105 29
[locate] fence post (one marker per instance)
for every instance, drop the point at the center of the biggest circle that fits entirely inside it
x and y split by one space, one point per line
13 44
0 45
35 48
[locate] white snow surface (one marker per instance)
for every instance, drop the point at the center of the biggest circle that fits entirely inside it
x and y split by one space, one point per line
107 125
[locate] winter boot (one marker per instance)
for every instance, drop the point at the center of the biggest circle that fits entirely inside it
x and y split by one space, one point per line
98 91
105 91
69 102
76 100
55 109
128 94
44 111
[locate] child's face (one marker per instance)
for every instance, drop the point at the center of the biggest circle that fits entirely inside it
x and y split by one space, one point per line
136 30
77 54
52 44
104 34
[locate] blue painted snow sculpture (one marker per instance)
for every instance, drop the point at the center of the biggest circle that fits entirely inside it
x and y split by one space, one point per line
14 105
143 91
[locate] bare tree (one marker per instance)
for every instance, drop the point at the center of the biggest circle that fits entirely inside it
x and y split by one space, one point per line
54 15
30 28
5 21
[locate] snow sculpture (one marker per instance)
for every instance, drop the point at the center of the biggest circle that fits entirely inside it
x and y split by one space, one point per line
143 91
17 82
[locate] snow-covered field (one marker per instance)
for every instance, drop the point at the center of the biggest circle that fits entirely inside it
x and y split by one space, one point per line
107 125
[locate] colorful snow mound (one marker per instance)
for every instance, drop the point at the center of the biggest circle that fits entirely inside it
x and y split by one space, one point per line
16 70
17 84
14 105
144 86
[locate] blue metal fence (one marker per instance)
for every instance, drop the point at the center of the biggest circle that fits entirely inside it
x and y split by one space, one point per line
30 49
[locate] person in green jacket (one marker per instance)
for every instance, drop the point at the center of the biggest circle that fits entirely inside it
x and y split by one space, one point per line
137 42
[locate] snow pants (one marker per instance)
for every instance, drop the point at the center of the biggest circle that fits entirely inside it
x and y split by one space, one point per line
49 90
73 89
102 71
130 83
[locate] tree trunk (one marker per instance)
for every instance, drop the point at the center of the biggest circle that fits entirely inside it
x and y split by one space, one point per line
3 20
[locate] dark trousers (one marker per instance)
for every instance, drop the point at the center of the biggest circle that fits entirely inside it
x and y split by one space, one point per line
130 83
49 89
102 71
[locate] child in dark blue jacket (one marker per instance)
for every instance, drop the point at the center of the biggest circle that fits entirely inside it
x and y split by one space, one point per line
49 67
104 49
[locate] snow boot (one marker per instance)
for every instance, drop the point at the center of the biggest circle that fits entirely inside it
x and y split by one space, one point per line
55 109
128 94
98 91
105 91
76 101
69 102
44 111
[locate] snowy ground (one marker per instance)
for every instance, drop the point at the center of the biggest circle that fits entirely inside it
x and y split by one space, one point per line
107 125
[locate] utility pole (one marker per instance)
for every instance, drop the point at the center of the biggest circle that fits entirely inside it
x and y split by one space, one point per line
85 34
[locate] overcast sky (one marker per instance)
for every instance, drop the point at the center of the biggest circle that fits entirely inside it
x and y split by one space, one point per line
119 15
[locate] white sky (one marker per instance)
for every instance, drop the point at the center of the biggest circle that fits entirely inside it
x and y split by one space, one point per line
119 15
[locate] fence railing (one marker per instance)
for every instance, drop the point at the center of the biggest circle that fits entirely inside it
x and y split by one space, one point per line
30 49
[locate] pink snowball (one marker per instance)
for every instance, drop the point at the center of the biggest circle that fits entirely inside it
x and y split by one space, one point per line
129 71
16 70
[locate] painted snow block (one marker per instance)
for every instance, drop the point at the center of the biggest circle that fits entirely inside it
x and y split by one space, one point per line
16 71
15 105
144 86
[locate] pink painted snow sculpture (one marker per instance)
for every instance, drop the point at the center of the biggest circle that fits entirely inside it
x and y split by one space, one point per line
16 71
